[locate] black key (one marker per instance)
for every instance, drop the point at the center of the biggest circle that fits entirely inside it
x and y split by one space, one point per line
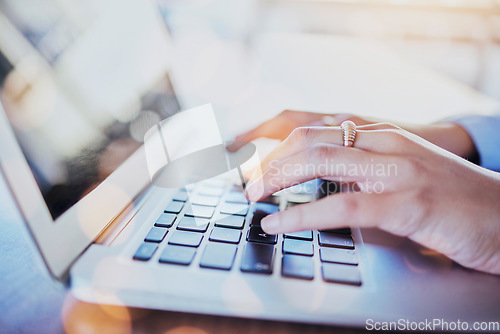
218 256
156 234
200 211
185 238
339 231
177 254
302 235
193 224
181 196
166 220
257 258
231 236
339 273
211 191
236 197
234 209
231 221
299 247
342 231
265 208
275 200
335 240
204 200
145 251
337 255
256 234
297 266
174 207
260 210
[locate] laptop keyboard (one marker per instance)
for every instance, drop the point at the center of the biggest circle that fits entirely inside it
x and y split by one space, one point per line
221 215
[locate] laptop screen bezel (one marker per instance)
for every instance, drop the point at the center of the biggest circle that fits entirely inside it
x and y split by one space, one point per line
63 240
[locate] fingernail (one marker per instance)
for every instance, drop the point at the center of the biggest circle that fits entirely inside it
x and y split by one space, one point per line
270 224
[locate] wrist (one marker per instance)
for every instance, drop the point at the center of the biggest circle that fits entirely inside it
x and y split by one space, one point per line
457 140
449 136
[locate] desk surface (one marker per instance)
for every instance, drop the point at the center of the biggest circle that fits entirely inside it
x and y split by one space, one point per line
32 302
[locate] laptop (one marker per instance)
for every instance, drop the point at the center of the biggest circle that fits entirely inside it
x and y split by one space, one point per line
88 84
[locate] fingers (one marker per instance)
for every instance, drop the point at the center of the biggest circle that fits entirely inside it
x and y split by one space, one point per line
336 211
298 140
278 127
245 138
328 161
370 138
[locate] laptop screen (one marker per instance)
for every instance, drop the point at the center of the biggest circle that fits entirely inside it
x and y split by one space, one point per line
88 79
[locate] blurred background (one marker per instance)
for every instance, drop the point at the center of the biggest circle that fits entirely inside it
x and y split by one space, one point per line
459 38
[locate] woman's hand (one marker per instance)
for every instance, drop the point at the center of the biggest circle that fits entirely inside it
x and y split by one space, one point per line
447 135
407 186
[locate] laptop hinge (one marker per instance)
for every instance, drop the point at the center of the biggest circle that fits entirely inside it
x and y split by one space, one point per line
116 226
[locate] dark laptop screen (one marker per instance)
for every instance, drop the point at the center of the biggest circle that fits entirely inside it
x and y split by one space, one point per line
88 79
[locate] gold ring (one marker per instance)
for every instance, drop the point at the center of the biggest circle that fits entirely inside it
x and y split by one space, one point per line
348 133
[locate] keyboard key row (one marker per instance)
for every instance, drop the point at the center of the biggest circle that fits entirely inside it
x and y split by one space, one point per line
303 267
257 258
294 243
